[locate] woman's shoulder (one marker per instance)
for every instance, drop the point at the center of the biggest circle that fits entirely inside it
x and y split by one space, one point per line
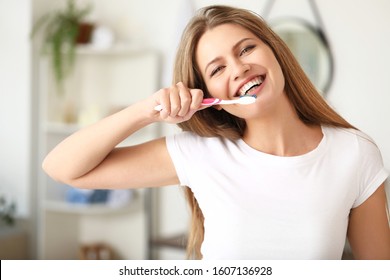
348 133
351 138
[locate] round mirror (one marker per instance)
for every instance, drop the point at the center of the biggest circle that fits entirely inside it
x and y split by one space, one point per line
310 48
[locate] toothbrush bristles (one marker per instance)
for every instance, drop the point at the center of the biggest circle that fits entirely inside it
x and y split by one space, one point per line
247 99
247 95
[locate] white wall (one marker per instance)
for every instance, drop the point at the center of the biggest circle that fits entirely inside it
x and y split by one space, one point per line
15 103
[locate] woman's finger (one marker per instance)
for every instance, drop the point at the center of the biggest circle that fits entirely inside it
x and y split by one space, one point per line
185 100
196 99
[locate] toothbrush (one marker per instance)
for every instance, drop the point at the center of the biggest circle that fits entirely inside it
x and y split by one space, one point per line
243 100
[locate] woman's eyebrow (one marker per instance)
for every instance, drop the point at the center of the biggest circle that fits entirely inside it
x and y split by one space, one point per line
219 57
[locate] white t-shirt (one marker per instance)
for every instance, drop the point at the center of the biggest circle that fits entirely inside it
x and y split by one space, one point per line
261 206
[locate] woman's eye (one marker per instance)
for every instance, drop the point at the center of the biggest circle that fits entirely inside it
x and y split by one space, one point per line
247 49
216 70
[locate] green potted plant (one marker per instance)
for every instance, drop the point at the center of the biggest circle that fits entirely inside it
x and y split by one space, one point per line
7 212
62 31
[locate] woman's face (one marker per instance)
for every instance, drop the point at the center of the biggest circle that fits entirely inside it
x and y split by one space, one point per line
233 63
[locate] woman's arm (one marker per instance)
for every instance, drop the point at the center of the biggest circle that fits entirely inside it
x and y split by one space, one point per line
89 159
368 231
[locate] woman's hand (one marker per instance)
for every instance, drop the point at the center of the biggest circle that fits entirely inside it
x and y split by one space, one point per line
178 103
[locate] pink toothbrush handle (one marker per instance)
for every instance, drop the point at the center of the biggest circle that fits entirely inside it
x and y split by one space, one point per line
211 101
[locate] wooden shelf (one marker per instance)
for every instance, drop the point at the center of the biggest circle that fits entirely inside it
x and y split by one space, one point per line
118 49
91 209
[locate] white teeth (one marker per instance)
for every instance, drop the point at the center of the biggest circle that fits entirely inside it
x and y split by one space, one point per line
255 82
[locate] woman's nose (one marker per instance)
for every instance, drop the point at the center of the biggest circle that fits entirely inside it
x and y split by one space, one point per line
239 69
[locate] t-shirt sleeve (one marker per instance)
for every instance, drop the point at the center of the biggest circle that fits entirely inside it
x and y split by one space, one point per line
178 155
372 172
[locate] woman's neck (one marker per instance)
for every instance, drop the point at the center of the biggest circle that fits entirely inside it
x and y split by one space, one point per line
282 134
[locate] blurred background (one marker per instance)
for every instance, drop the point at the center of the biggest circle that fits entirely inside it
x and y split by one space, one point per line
126 55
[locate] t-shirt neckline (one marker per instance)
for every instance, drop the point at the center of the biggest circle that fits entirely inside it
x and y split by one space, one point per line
304 158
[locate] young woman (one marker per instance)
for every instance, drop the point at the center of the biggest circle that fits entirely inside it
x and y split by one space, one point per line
283 178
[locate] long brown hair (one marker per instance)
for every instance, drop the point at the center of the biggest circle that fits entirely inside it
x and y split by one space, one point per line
308 103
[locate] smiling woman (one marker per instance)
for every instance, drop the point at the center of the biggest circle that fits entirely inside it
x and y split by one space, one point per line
283 169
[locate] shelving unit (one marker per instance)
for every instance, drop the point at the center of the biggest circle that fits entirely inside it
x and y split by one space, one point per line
103 81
